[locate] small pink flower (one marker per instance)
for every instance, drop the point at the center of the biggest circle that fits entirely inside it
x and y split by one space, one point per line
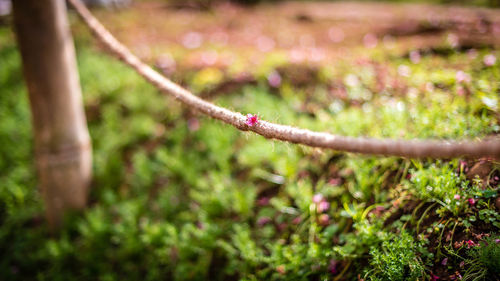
252 120
274 79
456 197
453 40
282 226
323 206
317 198
263 221
489 60
470 243
463 166
263 201
334 181
472 53
378 210
404 70
471 201
370 40
332 267
193 124
462 77
192 40
324 219
297 220
415 56
456 276
444 261
497 241
434 277
462 264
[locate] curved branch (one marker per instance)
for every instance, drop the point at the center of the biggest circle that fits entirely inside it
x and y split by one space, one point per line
411 148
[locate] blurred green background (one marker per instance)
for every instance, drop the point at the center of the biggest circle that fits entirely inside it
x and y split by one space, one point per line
178 196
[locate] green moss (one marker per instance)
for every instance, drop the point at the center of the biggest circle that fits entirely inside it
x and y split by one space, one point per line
396 259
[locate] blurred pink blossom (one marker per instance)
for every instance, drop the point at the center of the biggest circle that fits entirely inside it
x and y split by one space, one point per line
429 87
404 70
263 221
297 220
192 40
166 63
297 55
489 60
263 201
323 206
332 266
453 40
336 34
462 77
265 44
209 58
334 181
317 198
389 41
316 54
471 201
193 124
324 219
415 56
463 166
370 40
274 79
472 53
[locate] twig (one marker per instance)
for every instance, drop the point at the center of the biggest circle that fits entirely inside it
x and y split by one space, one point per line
403 148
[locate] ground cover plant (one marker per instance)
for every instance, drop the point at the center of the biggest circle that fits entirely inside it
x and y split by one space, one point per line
177 196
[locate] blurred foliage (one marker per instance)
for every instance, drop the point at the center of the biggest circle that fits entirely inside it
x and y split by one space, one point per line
484 260
208 3
177 196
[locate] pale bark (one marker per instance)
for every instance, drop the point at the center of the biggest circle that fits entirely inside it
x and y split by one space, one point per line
62 144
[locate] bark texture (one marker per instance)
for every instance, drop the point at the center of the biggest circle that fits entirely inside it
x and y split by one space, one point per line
62 143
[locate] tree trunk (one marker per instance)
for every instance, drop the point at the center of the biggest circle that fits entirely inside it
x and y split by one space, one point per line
62 143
